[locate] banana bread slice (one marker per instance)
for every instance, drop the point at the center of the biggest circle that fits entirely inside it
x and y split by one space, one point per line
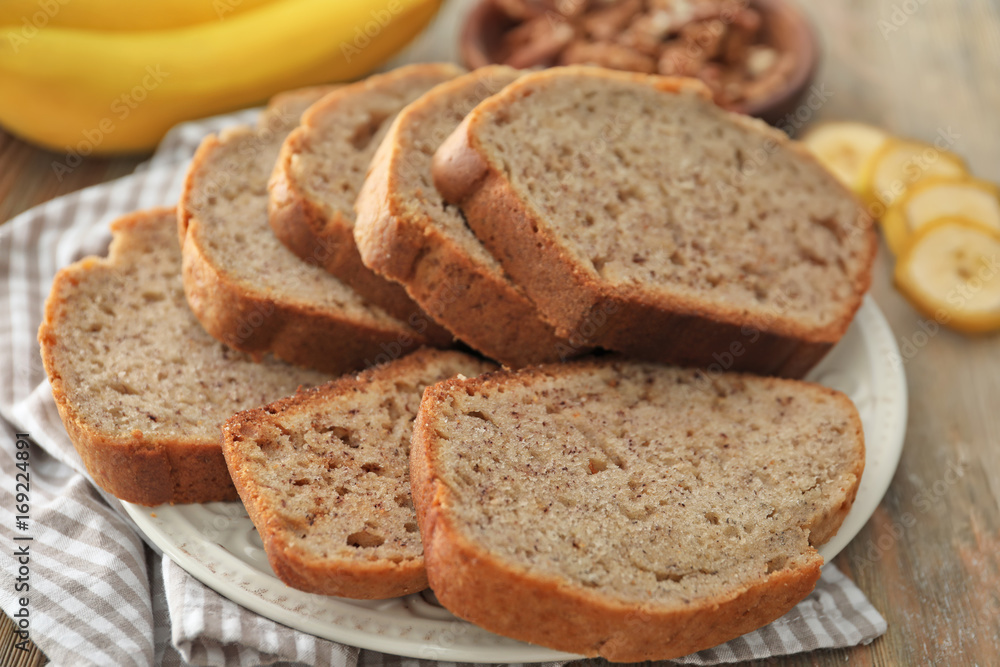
284 110
406 232
140 386
323 164
630 208
325 477
626 509
247 289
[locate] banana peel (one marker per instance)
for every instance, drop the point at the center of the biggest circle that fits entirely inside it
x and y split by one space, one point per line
100 92
29 16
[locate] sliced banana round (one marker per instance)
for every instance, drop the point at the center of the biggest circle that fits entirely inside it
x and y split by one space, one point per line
950 272
938 197
844 147
899 164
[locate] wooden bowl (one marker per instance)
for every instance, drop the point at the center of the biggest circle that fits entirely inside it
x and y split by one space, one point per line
783 27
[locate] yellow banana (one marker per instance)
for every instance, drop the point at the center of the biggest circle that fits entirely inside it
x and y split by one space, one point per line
102 92
843 147
901 163
31 15
950 272
969 198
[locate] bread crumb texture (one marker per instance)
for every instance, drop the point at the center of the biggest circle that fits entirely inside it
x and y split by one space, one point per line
340 135
668 192
130 355
228 195
328 471
646 483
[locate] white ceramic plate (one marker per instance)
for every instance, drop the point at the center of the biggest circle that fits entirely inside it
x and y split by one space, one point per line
219 546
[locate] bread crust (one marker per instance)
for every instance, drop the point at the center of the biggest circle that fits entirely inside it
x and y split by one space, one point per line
326 237
578 622
142 469
327 240
373 580
671 330
251 321
352 578
478 306
284 110
480 587
148 470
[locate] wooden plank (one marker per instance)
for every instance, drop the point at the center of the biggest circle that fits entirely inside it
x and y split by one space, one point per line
30 175
10 656
928 558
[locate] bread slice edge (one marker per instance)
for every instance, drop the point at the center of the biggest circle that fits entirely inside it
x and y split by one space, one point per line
250 321
376 579
141 469
581 308
477 582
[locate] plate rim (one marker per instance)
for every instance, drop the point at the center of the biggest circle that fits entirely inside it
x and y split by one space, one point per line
874 323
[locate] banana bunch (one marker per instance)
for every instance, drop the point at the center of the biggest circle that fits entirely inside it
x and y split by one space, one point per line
119 14
942 224
107 76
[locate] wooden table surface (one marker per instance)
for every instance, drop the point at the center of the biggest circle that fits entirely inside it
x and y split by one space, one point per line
929 559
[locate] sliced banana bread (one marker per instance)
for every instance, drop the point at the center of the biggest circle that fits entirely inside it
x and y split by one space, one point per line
284 110
405 231
323 164
140 386
629 510
325 477
706 237
248 290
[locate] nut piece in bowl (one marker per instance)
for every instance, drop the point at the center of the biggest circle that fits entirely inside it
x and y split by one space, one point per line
757 56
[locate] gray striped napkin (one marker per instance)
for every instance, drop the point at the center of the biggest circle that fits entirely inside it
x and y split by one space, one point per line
99 595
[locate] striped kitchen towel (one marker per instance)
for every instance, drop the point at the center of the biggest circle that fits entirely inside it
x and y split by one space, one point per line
101 592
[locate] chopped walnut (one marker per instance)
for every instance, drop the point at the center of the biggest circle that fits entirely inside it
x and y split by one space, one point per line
717 41
607 22
741 35
770 80
607 54
760 59
677 59
647 32
529 9
536 42
707 36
